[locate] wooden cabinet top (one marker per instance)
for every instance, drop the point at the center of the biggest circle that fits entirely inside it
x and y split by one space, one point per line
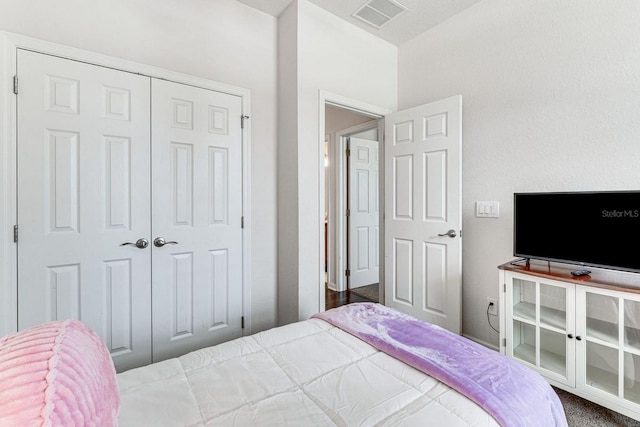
599 278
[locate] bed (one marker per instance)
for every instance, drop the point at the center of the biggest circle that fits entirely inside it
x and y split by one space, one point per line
358 365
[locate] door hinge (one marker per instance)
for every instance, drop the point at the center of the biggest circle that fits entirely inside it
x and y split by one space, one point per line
15 84
348 152
242 119
347 272
241 222
504 342
348 213
242 322
504 287
15 234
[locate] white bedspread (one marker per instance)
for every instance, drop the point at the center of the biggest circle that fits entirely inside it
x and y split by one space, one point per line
304 374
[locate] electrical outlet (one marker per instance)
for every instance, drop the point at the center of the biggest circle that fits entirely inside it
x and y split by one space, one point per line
493 306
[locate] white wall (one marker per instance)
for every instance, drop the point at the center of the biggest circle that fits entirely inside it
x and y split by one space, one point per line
336 119
221 40
288 165
550 103
336 57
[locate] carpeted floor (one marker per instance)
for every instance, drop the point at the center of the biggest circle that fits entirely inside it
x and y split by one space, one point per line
582 413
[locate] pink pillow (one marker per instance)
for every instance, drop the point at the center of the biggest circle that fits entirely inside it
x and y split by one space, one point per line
57 374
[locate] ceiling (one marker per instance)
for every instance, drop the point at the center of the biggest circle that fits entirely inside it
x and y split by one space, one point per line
420 16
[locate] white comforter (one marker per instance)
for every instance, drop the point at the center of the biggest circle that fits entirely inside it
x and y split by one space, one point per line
304 374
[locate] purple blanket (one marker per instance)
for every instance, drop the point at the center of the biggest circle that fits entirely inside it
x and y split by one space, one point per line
512 393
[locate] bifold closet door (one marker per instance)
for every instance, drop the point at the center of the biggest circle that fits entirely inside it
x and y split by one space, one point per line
197 209
90 238
83 191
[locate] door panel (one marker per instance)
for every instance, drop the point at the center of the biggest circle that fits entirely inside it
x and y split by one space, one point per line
423 184
83 190
363 206
402 193
197 203
402 264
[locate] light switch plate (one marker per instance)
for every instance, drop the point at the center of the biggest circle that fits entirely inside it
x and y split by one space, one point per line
488 209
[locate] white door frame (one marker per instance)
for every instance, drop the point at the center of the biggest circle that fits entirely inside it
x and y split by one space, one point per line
9 43
375 112
340 176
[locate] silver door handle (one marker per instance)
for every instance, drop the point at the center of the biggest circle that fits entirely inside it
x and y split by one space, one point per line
450 233
159 242
140 243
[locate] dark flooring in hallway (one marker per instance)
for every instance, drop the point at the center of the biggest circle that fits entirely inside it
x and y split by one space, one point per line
335 299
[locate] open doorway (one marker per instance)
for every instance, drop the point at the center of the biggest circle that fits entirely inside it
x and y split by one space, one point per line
351 207
423 207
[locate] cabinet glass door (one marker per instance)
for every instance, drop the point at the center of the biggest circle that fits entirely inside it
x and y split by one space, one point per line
524 341
540 328
610 330
524 320
631 358
601 336
602 340
553 329
553 351
602 317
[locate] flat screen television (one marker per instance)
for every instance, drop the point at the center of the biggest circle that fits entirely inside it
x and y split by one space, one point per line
600 229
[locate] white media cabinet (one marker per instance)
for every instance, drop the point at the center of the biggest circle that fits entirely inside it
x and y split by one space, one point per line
581 334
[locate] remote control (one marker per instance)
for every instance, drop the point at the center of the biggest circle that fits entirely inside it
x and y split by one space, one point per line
580 272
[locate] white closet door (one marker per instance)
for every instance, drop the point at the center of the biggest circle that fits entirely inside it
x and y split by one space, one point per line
197 209
83 190
363 209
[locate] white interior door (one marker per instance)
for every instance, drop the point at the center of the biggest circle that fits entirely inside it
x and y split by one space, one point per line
363 212
83 190
423 245
197 209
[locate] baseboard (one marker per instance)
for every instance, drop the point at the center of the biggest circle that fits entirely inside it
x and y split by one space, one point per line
481 342
332 286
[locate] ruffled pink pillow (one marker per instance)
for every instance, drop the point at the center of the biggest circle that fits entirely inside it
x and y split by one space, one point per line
57 374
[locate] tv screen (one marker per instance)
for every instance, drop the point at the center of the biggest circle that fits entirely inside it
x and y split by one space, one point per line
600 229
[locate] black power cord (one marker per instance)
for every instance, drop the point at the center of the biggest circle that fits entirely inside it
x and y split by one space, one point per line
488 319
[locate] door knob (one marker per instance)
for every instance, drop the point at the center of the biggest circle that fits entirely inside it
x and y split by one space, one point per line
450 233
160 242
140 243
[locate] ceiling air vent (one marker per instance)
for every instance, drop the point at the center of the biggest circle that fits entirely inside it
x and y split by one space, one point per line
379 12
